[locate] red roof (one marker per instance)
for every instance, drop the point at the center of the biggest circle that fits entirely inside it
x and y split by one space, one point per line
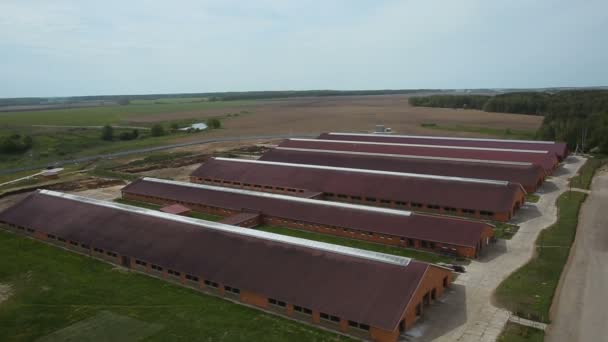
527 175
313 278
548 161
423 227
175 209
559 148
499 198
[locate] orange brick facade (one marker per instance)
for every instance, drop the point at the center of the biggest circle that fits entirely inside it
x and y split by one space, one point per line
434 282
424 207
436 247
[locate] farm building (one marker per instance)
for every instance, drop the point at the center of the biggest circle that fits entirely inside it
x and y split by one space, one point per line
528 175
381 225
559 148
547 160
361 293
495 200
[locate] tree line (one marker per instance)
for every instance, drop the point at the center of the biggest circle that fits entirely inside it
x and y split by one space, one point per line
569 116
15 143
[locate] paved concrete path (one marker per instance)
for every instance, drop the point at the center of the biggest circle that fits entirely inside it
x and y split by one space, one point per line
580 310
466 313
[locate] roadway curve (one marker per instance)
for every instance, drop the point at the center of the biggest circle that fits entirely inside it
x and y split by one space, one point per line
149 149
579 309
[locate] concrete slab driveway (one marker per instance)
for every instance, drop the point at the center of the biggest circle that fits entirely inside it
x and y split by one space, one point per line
466 313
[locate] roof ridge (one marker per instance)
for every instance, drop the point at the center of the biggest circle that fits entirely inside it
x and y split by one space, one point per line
322 246
411 156
423 145
281 196
548 142
378 172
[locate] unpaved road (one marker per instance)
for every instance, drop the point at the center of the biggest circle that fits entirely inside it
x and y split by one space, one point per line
580 312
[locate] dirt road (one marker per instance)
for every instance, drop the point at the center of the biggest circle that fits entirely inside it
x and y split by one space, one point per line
580 310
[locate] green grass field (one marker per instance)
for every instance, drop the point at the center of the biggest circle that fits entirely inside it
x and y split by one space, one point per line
532 198
65 296
409 253
519 333
529 291
499 133
97 116
504 230
583 179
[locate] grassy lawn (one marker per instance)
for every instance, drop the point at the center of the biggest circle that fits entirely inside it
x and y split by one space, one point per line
97 116
529 291
194 214
504 230
532 198
520 333
586 172
66 296
409 253
500 133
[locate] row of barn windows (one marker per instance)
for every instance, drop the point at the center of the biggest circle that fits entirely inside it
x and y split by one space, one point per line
412 204
357 198
272 301
322 315
258 186
407 241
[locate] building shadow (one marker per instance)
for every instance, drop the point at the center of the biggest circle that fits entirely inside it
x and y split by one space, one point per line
526 213
493 251
560 171
441 317
547 188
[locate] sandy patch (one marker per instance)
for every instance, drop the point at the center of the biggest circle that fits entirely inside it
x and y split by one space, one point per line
5 292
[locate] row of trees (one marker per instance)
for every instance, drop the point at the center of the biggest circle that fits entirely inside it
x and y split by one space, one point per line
15 143
569 116
158 130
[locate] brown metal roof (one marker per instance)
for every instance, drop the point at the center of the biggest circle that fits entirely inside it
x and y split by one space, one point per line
547 160
560 149
359 289
477 196
526 175
423 227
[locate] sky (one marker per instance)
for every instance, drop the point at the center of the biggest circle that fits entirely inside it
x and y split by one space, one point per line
86 47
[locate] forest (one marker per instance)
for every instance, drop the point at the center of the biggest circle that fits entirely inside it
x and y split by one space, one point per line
568 115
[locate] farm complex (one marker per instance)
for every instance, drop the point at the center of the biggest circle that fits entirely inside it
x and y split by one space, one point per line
439 195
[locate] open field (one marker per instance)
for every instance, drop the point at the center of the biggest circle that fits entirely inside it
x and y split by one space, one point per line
585 176
53 289
529 291
520 333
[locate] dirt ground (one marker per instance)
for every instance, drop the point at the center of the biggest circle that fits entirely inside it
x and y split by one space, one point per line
175 173
579 309
347 113
107 194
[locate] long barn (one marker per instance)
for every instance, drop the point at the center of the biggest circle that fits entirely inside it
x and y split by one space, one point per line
366 294
545 159
444 235
560 149
528 175
495 200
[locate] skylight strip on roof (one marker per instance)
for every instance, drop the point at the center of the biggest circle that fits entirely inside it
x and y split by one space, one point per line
422 145
407 156
376 172
322 246
282 197
446 138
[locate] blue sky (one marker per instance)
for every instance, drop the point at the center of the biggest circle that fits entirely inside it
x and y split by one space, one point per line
82 47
